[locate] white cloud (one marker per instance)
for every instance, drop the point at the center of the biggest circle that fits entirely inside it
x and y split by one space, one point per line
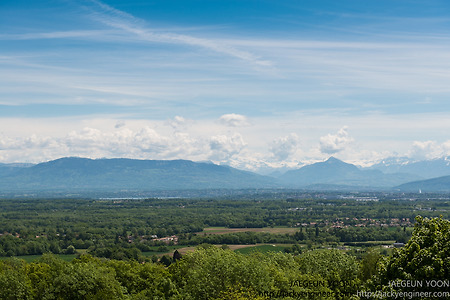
446 147
421 150
35 141
119 124
55 35
129 140
124 21
284 147
148 140
184 146
7 142
233 120
266 142
177 122
224 147
334 143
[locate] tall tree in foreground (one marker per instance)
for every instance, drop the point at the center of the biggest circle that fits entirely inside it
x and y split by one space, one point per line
425 258
214 273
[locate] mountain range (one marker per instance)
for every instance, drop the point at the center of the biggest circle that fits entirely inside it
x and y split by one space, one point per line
336 172
425 168
83 175
436 185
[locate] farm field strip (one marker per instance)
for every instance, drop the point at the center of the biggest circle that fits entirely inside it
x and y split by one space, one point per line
185 250
225 230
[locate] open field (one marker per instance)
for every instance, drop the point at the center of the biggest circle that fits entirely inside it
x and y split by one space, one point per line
262 248
161 253
225 230
185 250
237 248
370 243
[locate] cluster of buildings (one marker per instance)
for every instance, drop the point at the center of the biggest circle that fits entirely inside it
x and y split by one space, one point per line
360 222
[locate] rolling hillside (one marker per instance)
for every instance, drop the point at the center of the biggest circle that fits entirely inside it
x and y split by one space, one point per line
439 184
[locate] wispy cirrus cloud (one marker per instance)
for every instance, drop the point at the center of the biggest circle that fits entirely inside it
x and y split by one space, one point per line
56 35
121 20
294 84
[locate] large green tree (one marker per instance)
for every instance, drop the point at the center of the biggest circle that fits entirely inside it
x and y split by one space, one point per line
215 273
338 269
425 258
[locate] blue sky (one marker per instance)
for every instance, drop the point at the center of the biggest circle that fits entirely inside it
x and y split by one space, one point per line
253 84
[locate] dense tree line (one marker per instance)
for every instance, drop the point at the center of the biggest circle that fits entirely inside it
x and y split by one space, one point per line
424 259
207 273
215 273
124 228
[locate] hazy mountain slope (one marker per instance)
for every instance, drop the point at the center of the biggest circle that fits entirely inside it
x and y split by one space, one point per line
128 174
440 184
8 169
426 168
99 175
322 172
336 172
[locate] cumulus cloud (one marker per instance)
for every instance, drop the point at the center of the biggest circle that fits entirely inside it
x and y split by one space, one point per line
33 141
187 147
86 138
119 125
7 143
148 140
423 150
334 143
33 148
142 142
446 147
428 150
284 147
224 147
177 122
204 140
233 120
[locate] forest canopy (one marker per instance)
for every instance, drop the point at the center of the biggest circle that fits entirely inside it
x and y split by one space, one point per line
332 248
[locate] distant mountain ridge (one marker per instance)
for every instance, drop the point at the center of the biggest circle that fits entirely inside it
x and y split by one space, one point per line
336 172
83 174
79 175
440 184
425 168
7 169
